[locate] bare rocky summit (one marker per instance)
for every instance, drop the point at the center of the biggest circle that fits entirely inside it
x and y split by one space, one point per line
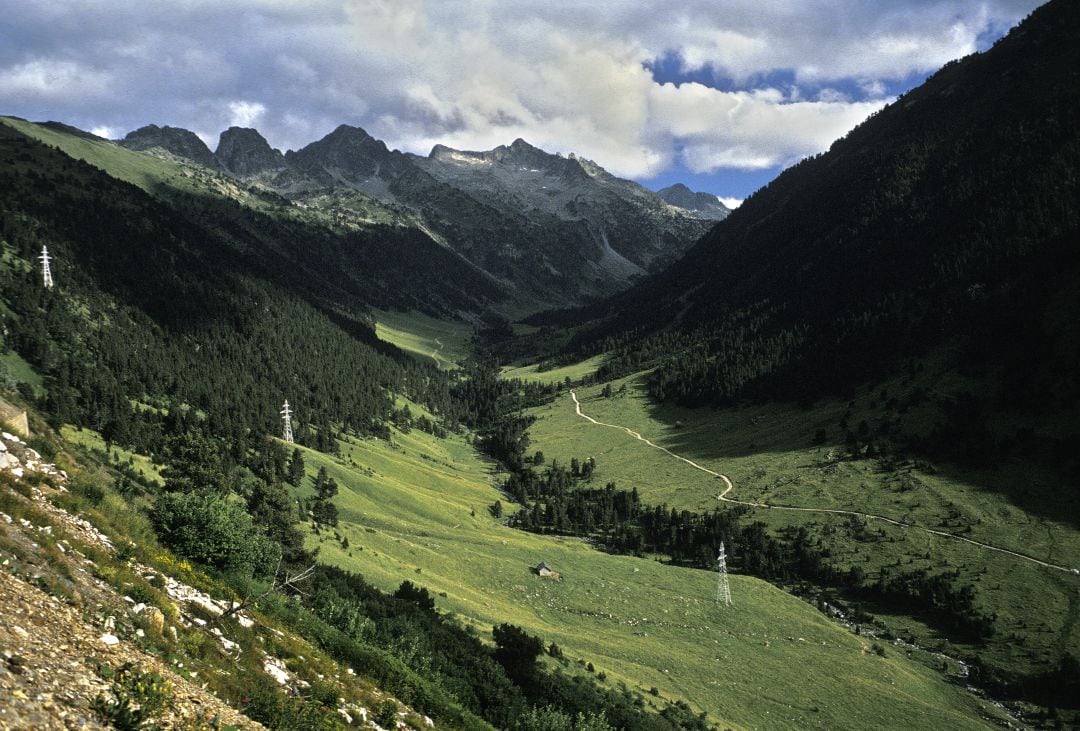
177 140
246 153
702 205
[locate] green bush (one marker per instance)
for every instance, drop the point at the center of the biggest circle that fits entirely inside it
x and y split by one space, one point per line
137 697
274 709
387 715
213 531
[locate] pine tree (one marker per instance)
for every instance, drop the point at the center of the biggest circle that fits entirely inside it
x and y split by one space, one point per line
296 468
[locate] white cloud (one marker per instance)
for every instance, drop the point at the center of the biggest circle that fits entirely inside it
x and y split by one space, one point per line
731 203
245 114
750 131
51 80
565 75
106 132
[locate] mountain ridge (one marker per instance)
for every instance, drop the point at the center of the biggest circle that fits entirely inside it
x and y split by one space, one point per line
706 205
177 140
244 152
550 228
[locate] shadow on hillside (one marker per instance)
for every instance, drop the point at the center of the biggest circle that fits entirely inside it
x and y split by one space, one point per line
1036 482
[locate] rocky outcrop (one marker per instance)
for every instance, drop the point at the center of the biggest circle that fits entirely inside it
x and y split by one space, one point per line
19 459
701 205
245 153
180 142
14 418
346 155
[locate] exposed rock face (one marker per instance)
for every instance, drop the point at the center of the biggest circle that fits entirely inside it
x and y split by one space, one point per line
348 155
702 205
585 229
14 417
246 153
178 141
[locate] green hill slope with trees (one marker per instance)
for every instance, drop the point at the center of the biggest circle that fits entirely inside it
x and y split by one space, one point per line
948 217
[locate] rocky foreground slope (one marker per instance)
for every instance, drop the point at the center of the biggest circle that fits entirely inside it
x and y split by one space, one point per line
91 637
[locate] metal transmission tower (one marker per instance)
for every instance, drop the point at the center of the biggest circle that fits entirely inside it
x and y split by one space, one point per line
723 591
45 271
286 418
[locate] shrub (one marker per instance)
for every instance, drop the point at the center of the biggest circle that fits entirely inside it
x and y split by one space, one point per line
274 709
138 696
387 715
210 529
516 651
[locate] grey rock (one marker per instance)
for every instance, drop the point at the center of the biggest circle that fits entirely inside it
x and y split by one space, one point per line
701 205
180 142
245 153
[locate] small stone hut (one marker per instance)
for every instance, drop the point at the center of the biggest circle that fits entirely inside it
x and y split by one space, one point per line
543 569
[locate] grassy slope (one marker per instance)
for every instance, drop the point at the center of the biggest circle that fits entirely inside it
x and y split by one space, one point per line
405 509
155 175
140 169
767 452
92 442
574 371
416 333
21 371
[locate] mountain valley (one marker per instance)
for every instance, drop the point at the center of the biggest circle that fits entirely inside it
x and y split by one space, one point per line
345 436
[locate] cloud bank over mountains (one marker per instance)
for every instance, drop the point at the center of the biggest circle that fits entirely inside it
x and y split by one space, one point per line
746 85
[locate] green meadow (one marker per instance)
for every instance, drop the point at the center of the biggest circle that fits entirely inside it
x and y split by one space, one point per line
92 442
21 372
143 170
416 509
445 342
768 452
573 371
155 175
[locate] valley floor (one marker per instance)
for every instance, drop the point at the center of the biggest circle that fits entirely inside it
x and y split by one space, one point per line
1018 554
416 509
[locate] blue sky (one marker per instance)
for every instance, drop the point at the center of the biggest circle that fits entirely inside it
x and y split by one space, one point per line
718 94
732 183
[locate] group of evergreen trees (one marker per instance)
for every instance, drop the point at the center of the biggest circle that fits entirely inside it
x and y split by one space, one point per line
945 222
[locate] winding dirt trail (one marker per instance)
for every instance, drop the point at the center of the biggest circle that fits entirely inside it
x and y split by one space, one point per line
870 516
435 354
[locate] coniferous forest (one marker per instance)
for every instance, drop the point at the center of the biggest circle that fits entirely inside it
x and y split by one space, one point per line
947 218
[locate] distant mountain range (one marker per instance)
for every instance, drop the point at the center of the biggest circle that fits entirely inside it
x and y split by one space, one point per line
552 230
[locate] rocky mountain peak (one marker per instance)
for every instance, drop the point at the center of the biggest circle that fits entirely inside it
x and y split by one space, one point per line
349 150
347 134
177 140
522 153
520 146
702 205
244 152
